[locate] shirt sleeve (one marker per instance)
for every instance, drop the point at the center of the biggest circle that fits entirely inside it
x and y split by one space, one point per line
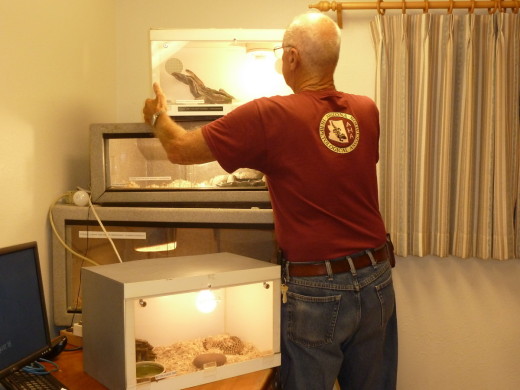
237 140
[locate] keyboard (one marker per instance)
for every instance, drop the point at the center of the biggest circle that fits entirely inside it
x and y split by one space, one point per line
22 380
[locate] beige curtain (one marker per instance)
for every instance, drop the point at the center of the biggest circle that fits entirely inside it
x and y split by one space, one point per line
448 90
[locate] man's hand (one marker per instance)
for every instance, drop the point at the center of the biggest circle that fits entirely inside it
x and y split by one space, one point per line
151 106
181 146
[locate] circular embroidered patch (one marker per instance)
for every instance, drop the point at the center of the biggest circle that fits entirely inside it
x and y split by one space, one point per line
339 132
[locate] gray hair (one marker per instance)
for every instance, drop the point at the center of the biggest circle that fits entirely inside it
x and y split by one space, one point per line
317 39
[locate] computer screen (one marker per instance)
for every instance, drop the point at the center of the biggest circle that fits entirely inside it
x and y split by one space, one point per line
24 330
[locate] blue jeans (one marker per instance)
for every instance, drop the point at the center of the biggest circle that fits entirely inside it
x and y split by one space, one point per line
340 326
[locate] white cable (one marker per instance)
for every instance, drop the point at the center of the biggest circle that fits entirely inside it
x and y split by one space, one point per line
62 242
104 230
99 222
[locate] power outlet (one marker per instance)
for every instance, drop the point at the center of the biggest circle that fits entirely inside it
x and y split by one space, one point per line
77 330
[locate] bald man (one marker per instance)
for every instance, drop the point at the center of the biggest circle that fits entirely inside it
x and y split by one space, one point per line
318 148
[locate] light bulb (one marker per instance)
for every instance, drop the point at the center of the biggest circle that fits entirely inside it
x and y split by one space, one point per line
206 301
81 198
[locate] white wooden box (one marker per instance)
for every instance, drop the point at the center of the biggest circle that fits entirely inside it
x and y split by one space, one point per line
155 300
240 62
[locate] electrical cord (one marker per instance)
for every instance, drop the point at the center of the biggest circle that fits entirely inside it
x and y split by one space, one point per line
73 349
76 302
64 244
103 228
37 368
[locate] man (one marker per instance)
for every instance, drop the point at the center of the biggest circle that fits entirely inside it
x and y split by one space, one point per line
318 149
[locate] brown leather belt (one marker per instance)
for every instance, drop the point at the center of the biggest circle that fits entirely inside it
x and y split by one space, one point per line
339 265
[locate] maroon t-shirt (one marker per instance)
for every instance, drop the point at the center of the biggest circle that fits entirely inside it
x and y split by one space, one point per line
319 152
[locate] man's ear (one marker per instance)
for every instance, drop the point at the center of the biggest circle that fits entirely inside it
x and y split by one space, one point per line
293 58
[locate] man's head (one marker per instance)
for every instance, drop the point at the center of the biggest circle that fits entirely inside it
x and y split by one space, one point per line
317 40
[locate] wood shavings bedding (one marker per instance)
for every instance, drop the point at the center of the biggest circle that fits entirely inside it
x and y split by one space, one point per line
180 355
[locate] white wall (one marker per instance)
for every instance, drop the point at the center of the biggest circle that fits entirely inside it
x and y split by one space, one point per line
64 66
57 75
458 324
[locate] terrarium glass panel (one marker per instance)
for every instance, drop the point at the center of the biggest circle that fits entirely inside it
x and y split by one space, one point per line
135 242
140 163
196 331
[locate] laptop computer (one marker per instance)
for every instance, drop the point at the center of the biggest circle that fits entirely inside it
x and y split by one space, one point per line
24 329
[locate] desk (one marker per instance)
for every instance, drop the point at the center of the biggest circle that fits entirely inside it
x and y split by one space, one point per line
72 375
71 372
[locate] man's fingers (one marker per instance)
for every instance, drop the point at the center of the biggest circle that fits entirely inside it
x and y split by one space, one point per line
160 96
157 89
151 106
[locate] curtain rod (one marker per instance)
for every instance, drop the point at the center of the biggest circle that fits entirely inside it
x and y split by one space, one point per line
382 6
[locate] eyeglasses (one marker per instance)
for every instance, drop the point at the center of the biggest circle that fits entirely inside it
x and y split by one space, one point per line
279 53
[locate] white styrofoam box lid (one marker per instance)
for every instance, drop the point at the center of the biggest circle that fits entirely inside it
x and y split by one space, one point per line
152 277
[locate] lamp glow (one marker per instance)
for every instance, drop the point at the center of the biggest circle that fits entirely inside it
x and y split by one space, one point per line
206 301
169 246
260 54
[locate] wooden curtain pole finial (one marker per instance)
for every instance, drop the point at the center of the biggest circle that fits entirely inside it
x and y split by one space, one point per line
321 6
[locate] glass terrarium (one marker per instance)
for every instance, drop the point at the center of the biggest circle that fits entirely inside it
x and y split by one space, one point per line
173 323
140 233
129 166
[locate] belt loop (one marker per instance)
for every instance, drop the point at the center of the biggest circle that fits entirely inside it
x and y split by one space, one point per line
330 274
352 268
372 259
